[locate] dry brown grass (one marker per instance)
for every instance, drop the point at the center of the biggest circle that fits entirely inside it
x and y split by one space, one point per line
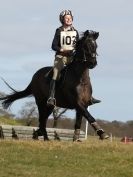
91 158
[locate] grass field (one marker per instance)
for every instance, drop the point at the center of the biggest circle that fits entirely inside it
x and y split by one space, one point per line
91 158
8 121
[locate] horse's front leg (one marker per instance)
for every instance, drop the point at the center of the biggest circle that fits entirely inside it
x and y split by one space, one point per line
77 127
100 132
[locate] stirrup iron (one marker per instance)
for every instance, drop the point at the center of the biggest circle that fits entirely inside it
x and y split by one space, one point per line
51 101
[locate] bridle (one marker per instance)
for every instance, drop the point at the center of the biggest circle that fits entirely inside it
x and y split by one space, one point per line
85 51
89 53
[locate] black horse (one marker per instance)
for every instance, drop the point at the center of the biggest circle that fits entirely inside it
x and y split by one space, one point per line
73 90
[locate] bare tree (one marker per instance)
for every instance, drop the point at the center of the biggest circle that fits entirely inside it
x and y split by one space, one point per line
28 112
58 113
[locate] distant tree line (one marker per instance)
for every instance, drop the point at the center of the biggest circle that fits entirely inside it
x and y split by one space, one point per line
28 116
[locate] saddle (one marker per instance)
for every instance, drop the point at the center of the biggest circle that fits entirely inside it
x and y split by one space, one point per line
61 78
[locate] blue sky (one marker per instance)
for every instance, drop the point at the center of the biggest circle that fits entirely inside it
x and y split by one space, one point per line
27 28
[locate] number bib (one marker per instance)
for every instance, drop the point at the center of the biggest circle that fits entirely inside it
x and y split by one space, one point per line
68 39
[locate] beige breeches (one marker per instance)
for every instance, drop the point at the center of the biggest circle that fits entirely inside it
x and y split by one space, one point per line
59 63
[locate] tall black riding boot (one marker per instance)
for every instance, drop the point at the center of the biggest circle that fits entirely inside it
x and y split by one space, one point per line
100 132
51 100
94 101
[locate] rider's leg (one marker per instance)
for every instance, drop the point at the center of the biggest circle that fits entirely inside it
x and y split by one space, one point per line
93 100
58 66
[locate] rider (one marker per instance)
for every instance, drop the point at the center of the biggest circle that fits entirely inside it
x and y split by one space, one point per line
64 44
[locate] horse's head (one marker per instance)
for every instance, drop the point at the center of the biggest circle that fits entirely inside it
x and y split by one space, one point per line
86 48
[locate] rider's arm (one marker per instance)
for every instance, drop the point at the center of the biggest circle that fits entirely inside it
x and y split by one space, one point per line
56 41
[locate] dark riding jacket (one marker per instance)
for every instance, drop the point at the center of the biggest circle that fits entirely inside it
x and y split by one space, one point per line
56 44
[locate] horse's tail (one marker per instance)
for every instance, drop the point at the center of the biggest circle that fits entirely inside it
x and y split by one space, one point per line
9 99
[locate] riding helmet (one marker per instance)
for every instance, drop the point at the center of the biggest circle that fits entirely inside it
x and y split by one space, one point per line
63 13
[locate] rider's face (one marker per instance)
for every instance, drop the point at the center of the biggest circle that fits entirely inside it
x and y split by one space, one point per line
68 20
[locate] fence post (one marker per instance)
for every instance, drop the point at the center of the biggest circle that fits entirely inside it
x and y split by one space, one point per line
125 139
111 139
86 130
86 127
1 133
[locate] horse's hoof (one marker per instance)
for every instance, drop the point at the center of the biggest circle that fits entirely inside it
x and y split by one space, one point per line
77 140
35 138
104 136
46 139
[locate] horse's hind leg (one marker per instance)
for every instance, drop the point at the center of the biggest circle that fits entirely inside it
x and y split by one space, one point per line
77 126
56 117
44 112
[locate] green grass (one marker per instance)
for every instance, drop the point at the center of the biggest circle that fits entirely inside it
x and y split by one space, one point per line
8 121
91 158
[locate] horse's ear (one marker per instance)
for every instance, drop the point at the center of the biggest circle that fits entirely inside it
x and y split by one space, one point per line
96 34
86 33
91 33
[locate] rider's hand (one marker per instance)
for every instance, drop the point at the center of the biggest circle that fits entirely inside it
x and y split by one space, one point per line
65 51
